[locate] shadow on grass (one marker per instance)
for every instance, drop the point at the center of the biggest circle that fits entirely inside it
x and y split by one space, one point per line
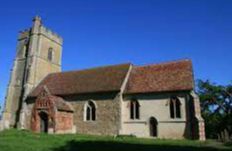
118 146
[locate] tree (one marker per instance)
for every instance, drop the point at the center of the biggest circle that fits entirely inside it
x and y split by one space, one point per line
216 105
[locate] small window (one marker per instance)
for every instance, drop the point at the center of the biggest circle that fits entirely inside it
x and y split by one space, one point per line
134 109
50 54
175 107
27 74
90 111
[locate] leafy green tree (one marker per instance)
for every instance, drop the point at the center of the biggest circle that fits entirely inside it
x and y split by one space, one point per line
216 105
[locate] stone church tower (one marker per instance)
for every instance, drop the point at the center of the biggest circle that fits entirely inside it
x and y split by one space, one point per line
39 52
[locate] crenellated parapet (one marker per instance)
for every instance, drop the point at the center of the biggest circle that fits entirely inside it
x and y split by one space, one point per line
51 35
39 29
24 34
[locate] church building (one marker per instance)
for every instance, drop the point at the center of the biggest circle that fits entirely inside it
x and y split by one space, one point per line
155 101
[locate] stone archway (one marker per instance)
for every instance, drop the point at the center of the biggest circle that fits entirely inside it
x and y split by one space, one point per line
153 124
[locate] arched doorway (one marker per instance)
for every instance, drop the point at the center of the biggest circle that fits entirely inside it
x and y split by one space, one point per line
153 127
43 122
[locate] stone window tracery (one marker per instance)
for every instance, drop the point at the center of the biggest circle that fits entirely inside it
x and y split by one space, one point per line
134 109
50 54
175 108
90 111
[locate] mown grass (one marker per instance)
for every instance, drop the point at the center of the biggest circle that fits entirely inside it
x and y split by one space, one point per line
13 140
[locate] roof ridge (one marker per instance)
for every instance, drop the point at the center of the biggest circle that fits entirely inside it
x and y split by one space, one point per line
166 63
93 68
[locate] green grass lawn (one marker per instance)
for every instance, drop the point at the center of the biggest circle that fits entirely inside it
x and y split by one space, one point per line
13 140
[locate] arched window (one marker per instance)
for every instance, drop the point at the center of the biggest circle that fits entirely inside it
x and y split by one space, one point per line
134 109
90 111
50 54
175 110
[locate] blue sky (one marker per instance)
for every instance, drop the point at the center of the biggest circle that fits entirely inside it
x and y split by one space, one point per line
102 32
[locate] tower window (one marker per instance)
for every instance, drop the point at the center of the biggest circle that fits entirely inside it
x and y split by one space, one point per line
134 109
27 74
90 111
175 107
50 54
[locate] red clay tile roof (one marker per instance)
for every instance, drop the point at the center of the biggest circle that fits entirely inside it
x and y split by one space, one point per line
101 79
60 103
172 76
